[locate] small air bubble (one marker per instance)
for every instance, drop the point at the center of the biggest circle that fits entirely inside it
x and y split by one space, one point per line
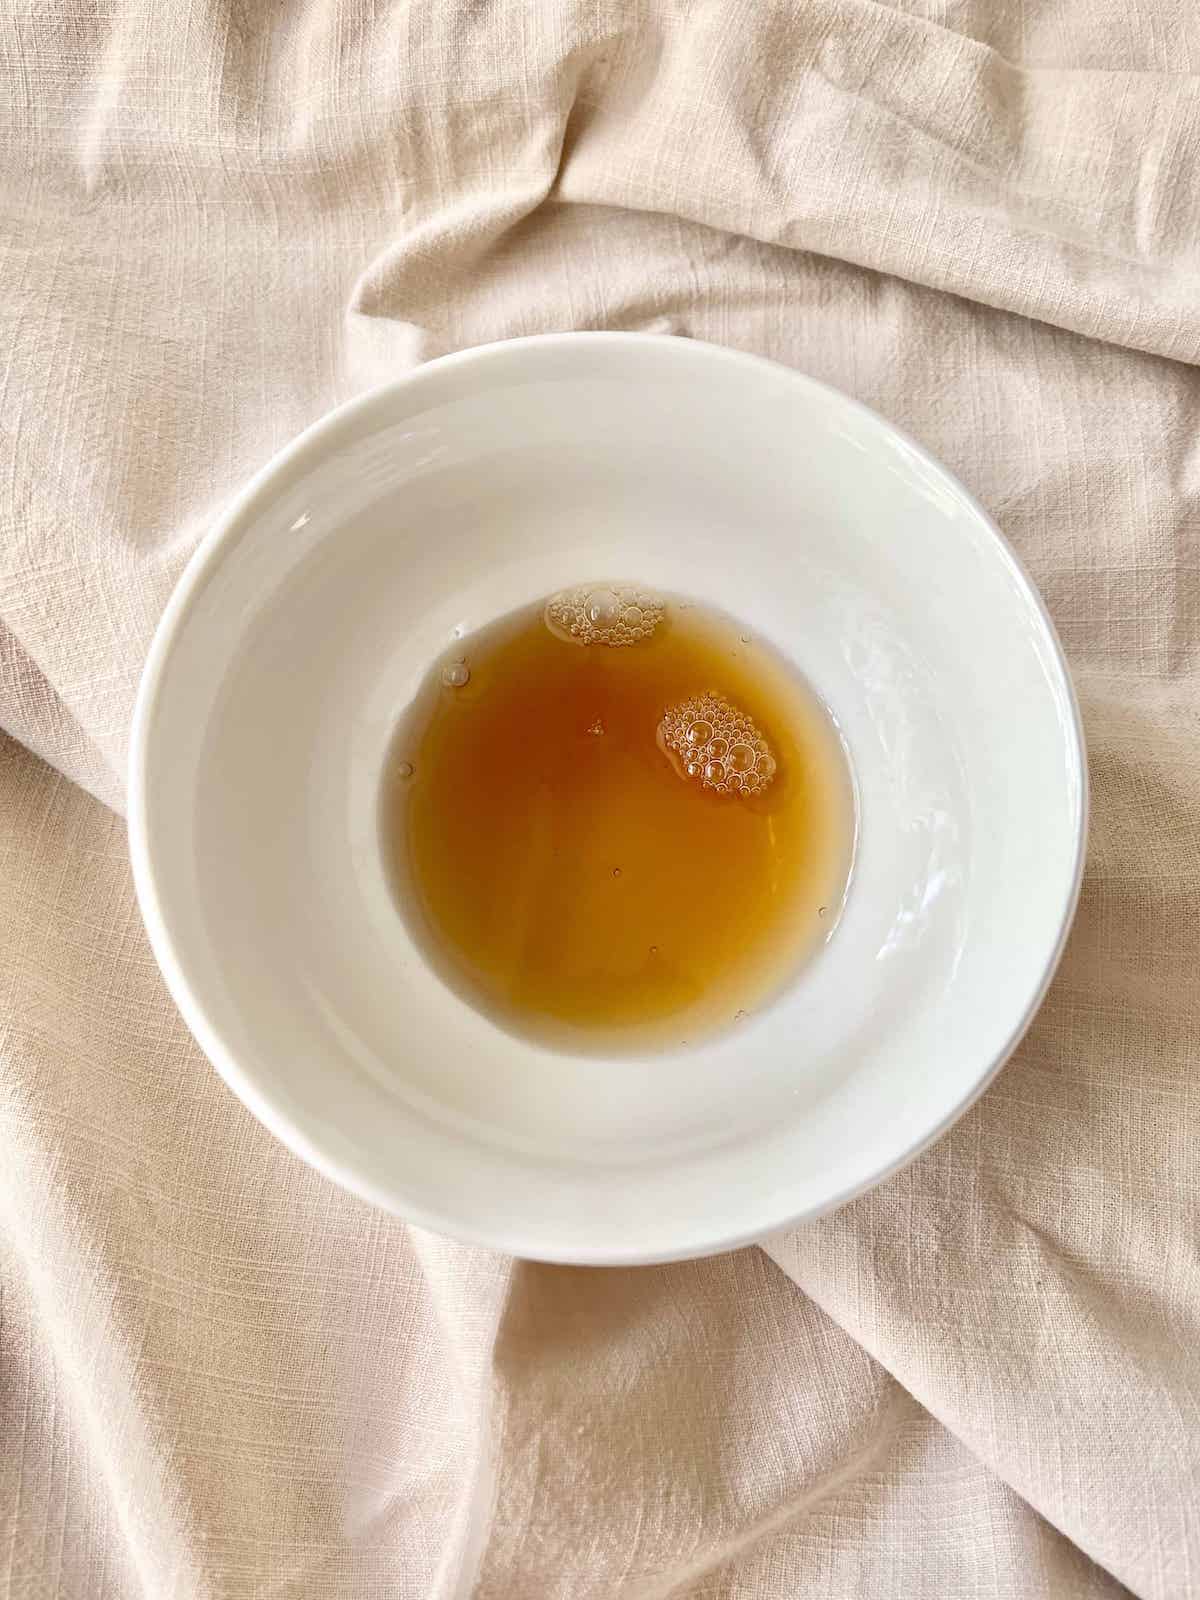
456 675
739 1016
616 872
596 727
821 910
603 608
745 638
404 769
653 949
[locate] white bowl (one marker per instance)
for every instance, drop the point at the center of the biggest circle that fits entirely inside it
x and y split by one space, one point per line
482 482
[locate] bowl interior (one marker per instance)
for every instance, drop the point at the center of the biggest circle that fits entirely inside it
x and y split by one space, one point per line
480 484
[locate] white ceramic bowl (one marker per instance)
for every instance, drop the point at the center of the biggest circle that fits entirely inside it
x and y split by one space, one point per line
484 481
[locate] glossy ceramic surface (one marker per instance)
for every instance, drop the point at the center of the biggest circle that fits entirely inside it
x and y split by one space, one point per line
480 483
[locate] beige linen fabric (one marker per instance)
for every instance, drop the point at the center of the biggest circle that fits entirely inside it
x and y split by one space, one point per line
219 1375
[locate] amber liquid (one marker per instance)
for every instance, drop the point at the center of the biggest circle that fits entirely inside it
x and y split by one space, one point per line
564 875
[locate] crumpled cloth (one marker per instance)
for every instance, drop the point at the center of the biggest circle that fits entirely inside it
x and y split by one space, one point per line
219 1375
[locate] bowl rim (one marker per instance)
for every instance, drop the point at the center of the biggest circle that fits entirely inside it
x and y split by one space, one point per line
235 517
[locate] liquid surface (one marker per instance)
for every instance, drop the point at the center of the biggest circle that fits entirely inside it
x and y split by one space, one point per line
617 842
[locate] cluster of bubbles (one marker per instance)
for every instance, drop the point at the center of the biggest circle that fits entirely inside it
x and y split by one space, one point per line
612 614
718 746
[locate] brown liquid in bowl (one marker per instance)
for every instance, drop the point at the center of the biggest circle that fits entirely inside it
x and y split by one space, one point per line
581 873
